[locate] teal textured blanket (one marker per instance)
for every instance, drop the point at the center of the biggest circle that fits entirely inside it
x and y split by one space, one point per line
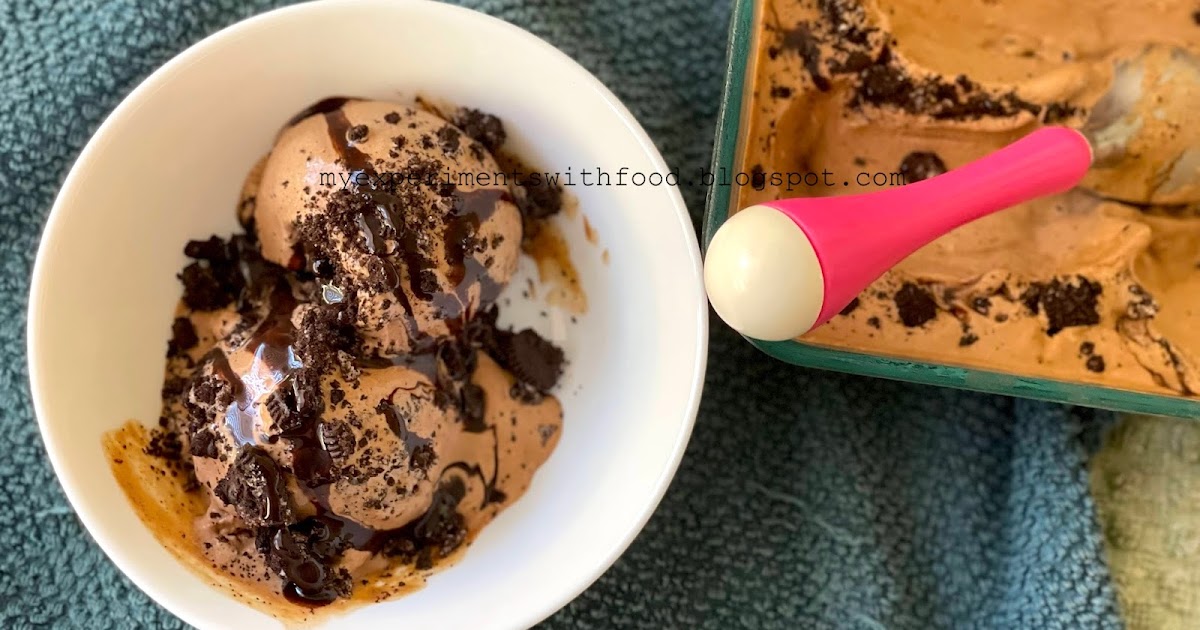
806 499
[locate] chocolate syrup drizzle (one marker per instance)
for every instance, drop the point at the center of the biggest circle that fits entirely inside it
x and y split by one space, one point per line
398 423
275 361
470 211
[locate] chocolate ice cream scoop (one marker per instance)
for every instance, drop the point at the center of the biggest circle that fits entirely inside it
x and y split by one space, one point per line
395 210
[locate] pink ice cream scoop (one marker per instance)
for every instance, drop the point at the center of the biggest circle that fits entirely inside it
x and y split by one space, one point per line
776 270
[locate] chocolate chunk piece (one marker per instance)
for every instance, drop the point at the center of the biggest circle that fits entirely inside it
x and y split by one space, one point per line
921 165
915 305
256 489
391 118
1095 363
849 307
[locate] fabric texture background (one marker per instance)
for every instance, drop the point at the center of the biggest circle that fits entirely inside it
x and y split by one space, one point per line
1146 481
806 499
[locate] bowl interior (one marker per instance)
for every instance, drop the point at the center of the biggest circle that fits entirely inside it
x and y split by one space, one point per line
167 166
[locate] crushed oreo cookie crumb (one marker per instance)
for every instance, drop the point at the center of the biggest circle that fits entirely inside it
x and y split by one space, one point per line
183 336
485 128
921 165
530 358
256 489
915 305
1070 302
357 133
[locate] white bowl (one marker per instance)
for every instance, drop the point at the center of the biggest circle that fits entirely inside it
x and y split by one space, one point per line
167 165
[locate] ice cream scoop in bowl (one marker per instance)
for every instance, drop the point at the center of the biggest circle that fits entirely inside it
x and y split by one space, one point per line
776 270
167 167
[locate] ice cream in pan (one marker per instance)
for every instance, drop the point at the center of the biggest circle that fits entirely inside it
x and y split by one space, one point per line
1096 284
339 395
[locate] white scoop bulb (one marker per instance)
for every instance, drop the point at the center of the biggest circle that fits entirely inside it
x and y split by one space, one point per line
763 277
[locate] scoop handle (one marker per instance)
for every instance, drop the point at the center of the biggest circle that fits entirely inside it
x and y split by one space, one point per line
859 237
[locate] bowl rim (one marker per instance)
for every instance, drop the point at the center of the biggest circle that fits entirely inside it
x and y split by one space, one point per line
718 204
128 108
